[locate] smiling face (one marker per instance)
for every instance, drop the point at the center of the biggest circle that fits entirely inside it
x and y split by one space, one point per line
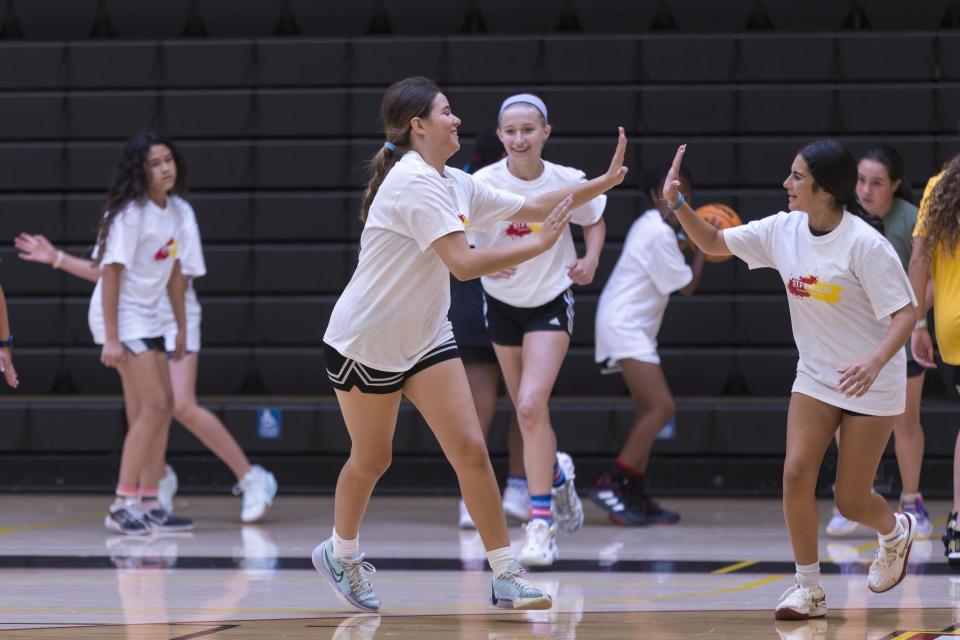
161 169
803 194
439 129
523 133
875 190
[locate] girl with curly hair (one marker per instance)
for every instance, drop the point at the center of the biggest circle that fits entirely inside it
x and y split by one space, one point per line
936 252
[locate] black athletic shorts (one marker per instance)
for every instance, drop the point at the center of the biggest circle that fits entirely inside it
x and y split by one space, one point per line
507 323
136 347
914 369
345 373
466 316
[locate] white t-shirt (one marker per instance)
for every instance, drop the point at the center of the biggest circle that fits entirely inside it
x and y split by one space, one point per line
544 277
394 308
146 240
193 266
842 288
634 299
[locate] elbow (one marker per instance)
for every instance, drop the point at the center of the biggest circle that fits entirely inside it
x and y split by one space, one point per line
462 271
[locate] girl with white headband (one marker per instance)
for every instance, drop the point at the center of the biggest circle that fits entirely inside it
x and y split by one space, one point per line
389 335
529 313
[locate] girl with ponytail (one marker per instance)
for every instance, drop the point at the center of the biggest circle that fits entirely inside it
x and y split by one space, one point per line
389 335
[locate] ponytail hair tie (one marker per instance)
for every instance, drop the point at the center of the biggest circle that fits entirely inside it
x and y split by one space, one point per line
389 146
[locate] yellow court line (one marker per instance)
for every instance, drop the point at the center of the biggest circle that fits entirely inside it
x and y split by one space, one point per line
51 523
733 567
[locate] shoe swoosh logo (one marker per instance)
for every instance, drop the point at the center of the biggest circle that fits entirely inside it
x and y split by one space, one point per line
338 575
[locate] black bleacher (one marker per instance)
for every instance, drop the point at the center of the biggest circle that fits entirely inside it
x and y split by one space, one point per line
275 105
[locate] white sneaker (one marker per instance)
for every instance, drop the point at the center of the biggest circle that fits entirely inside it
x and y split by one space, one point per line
801 603
540 547
516 503
465 522
258 488
167 488
840 526
890 565
566 508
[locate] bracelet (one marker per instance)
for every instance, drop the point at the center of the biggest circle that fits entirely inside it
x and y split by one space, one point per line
673 206
921 324
59 260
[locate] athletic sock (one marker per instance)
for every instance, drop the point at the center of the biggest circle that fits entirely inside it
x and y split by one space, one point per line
808 575
634 474
910 498
893 537
123 493
558 477
517 482
500 559
343 548
540 508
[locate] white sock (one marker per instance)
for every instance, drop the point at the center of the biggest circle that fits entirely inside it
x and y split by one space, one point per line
909 498
808 575
343 548
893 536
500 559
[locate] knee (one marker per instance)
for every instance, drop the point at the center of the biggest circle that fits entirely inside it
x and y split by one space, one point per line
183 409
795 478
159 408
530 412
371 463
850 506
472 452
666 407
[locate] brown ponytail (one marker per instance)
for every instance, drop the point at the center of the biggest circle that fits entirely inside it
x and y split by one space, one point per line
403 101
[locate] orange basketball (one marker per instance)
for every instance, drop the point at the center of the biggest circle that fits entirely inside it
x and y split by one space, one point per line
722 217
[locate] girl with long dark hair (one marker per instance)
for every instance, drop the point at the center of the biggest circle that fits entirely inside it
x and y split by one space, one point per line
389 335
852 308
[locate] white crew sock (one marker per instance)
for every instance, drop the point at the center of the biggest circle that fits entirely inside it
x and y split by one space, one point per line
500 559
808 575
343 548
894 536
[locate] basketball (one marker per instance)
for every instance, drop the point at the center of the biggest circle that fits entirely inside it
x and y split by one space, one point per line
722 217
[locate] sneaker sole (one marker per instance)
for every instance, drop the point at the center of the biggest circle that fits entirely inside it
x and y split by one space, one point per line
170 529
321 567
791 614
526 604
259 518
906 560
111 524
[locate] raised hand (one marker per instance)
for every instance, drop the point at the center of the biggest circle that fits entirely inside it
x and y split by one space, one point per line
671 185
617 171
35 248
555 223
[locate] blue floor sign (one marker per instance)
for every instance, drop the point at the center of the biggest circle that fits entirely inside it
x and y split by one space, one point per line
269 423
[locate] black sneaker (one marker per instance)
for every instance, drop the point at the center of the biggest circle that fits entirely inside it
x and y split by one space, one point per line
951 541
627 504
126 519
159 519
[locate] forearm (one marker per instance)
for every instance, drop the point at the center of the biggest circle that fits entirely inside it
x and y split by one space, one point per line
80 267
901 325
176 290
708 238
110 292
4 318
594 236
480 262
537 208
697 269
918 271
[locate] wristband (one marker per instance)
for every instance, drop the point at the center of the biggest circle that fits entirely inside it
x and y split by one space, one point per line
59 260
673 206
7 343
921 324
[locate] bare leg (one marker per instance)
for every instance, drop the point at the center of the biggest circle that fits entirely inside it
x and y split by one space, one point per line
202 422
908 437
654 406
810 426
484 379
530 372
148 380
514 446
371 420
862 441
441 393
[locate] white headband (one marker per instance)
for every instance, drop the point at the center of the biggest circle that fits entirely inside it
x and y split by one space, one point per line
528 98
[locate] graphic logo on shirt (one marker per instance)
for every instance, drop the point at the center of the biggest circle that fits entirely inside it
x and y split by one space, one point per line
520 229
169 250
812 287
463 219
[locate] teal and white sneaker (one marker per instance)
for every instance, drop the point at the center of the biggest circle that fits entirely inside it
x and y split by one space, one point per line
511 590
347 576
